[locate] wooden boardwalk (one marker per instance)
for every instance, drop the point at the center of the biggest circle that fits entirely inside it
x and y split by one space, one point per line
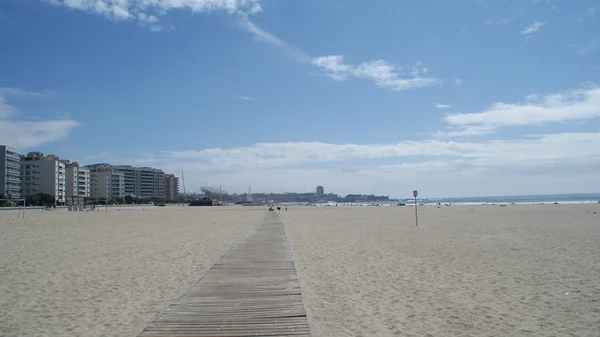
252 291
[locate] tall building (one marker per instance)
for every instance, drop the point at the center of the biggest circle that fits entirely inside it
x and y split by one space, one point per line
43 174
77 183
107 183
171 187
10 173
149 182
141 182
320 192
129 178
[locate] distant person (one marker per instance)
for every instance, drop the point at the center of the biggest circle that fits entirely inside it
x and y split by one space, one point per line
279 209
286 209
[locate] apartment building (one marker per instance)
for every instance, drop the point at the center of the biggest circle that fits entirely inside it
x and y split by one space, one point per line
129 176
43 174
149 182
10 172
107 184
171 187
78 180
142 182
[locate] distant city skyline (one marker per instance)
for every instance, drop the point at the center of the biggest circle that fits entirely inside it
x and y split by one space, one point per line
453 98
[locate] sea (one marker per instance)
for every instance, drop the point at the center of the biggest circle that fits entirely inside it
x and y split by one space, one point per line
519 199
586 198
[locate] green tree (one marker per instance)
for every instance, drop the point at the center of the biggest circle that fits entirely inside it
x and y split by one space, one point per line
128 199
40 199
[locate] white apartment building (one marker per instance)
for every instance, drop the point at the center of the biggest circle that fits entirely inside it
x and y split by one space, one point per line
43 174
141 182
107 184
149 182
171 187
10 172
78 180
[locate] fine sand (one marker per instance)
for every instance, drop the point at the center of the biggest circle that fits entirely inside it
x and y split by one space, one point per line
465 271
365 271
106 274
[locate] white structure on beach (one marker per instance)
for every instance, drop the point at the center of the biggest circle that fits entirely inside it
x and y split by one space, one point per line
43 174
10 172
77 183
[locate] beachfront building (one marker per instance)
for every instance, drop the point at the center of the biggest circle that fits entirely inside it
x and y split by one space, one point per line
149 182
43 174
320 192
77 183
141 182
129 178
171 187
106 183
10 173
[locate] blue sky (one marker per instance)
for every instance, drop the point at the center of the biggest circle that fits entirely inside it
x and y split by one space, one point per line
455 98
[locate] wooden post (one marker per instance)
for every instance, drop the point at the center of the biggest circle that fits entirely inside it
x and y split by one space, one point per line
415 194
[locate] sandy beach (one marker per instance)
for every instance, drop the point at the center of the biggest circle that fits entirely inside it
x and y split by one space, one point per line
365 271
106 274
465 271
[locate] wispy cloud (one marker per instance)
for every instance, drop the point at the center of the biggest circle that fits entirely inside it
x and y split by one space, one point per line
533 28
500 22
246 98
590 47
282 166
23 93
27 134
146 12
573 105
442 106
587 14
382 73
271 39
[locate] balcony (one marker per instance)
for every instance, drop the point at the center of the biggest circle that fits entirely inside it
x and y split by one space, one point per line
12 164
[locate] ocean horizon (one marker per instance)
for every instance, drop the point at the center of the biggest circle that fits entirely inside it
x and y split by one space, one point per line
577 198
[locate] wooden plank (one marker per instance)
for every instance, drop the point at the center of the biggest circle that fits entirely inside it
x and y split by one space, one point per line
253 290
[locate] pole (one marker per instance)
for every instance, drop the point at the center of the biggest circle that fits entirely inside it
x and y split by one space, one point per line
220 204
416 214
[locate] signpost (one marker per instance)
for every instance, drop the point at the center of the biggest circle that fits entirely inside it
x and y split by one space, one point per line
415 194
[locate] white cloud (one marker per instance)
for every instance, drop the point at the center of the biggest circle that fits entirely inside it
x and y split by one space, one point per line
246 98
146 11
6 110
23 93
455 165
27 134
587 14
442 106
383 73
500 22
533 28
269 38
256 8
573 105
